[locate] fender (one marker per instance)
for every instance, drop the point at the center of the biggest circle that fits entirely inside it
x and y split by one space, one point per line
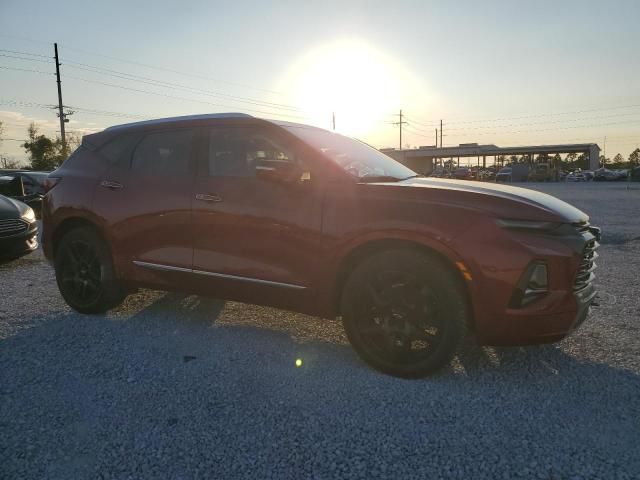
333 274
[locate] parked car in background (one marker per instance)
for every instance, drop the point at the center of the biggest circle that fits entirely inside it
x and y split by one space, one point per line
486 175
24 185
504 175
606 175
32 180
18 229
463 173
296 217
576 176
588 175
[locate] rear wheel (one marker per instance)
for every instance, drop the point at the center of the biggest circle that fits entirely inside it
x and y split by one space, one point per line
404 312
85 274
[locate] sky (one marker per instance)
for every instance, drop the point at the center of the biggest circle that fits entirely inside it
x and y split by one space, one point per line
495 72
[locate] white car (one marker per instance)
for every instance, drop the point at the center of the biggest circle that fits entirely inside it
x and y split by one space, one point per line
576 177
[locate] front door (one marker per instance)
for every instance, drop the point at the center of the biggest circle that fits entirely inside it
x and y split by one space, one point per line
256 218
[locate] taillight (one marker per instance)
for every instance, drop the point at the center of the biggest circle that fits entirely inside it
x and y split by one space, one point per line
50 182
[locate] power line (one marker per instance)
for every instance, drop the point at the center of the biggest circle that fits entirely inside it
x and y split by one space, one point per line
161 83
178 72
557 128
25 53
546 122
155 67
520 117
150 81
3 67
178 97
24 58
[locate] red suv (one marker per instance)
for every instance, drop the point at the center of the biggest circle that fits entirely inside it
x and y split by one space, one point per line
300 218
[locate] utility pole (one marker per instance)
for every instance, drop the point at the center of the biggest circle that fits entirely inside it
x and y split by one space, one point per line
400 122
60 107
440 133
436 138
333 117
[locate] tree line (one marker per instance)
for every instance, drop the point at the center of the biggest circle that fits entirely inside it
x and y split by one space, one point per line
44 153
48 154
573 161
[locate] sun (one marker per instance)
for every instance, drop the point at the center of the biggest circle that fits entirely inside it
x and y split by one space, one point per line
361 85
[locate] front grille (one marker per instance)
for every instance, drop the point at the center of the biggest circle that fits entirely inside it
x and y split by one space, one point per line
12 226
585 275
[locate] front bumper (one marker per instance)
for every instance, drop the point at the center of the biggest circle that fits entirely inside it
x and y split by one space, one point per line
571 290
19 245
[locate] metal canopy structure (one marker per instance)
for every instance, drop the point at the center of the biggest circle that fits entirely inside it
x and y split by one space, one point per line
422 159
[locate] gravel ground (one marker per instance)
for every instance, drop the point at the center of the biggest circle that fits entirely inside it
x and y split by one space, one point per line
182 387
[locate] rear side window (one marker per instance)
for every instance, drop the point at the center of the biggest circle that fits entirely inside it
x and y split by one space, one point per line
164 154
120 148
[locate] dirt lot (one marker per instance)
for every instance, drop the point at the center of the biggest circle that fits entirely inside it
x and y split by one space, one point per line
170 386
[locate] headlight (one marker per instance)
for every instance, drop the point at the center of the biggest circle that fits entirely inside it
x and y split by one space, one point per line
29 216
527 225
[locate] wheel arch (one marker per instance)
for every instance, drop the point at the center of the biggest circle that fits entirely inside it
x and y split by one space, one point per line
366 249
71 223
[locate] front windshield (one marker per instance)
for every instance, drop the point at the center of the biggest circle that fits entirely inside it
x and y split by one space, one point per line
356 158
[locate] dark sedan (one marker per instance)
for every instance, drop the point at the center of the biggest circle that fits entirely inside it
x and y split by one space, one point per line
31 191
18 229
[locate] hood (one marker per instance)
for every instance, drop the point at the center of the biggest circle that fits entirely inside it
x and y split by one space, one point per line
531 198
10 208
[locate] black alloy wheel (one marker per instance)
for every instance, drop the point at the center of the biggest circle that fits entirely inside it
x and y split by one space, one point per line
404 312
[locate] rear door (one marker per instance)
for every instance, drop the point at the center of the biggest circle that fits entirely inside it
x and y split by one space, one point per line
146 199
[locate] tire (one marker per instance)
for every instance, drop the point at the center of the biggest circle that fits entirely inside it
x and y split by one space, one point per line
404 312
85 273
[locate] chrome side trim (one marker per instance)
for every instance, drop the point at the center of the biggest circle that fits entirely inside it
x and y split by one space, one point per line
249 279
155 266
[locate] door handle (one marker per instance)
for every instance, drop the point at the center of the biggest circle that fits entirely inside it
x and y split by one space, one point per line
205 197
110 185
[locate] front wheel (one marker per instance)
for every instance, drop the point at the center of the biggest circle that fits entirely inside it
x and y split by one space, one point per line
85 274
404 312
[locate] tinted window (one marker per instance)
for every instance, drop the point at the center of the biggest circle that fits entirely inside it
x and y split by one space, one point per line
238 153
355 157
120 148
164 153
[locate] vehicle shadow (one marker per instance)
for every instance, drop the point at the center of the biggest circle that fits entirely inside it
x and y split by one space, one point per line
80 390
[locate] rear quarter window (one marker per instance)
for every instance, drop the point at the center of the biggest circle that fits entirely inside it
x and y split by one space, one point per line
165 153
120 148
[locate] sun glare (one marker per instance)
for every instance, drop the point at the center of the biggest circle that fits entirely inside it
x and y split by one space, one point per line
360 84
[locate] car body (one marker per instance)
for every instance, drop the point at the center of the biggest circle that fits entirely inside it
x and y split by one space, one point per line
18 229
606 175
463 173
504 175
242 226
486 175
576 176
588 175
32 189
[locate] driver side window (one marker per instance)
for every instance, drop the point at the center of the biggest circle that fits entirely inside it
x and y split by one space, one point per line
246 153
